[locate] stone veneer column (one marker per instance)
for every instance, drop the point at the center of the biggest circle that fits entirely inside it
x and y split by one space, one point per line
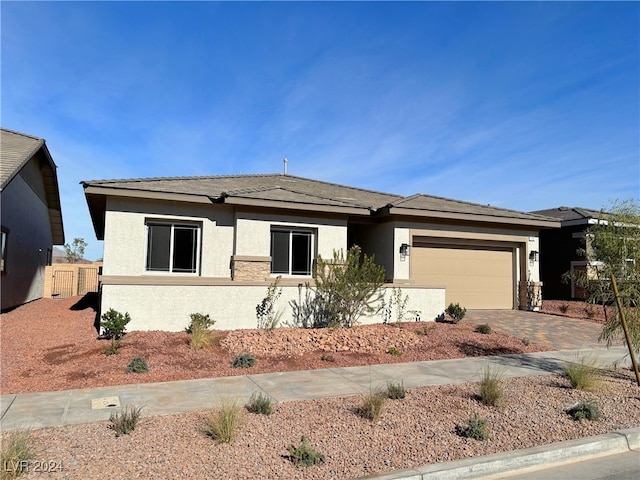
245 268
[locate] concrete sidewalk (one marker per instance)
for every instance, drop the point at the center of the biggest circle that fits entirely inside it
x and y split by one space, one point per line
52 409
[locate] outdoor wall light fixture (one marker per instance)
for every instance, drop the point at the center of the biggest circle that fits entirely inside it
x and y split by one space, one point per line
404 249
534 256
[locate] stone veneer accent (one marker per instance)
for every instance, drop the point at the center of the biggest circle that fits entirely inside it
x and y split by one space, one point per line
530 296
246 268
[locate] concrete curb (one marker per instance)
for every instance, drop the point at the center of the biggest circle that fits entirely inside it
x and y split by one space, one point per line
522 461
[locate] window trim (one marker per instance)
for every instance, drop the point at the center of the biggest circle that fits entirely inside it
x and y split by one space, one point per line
312 233
173 224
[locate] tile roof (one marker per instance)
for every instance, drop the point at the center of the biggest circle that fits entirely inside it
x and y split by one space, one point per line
439 204
569 213
291 192
279 187
15 151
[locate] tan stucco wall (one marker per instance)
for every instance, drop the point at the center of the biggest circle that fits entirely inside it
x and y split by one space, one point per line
125 236
154 307
253 232
26 216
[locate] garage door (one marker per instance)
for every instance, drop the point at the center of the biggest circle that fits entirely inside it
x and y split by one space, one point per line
477 277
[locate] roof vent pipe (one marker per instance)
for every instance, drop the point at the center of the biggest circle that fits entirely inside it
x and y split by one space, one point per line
285 161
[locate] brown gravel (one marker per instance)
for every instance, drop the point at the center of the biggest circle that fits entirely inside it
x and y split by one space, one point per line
48 345
52 345
576 309
414 431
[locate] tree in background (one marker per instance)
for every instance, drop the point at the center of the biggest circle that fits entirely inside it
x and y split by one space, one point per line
612 246
75 251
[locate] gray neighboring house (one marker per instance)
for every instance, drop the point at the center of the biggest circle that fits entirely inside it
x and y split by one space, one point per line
30 216
175 246
559 250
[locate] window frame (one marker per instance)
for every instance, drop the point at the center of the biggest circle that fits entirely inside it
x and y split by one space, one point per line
292 231
173 224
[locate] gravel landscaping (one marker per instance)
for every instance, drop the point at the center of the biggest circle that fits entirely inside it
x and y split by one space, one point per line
52 345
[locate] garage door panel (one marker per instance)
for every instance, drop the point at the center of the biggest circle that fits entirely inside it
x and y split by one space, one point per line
474 277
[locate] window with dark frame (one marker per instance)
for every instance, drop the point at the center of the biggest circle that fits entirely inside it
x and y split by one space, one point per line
172 247
292 252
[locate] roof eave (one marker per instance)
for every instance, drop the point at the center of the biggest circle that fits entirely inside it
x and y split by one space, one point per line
422 213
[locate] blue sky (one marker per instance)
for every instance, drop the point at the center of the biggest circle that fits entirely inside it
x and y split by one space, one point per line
520 105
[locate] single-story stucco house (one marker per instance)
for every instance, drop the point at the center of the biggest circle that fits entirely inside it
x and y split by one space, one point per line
175 246
30 215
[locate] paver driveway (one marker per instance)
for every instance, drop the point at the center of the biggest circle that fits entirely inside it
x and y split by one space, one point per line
559 333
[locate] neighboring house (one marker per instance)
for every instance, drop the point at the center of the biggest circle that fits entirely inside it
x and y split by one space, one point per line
30 216
175 246
559 251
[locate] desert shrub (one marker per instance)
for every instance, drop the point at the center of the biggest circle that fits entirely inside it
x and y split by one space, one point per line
484 329
244 360
260 403
456 312
125 421
137 365
371 406
398 301
200 339
583 374
114 325
305 454
266 313
199 322
564 307
525 341
222 424
475 428
396 391
396 352
491 392
17 451
199 331
585 410
326 357
590 310
345 289
426 330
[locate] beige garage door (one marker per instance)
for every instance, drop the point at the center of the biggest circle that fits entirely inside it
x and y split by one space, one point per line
476 277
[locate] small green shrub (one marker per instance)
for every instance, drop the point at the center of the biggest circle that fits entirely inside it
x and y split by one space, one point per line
305 454
484 329
371 406
491 392
396 352
222 424
114 325
17 451
526 341
260 403
456 312
199 321
125 421
475 428
137 365
396 391
244 360
590 310
564 307
325 357
585 410
583 375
